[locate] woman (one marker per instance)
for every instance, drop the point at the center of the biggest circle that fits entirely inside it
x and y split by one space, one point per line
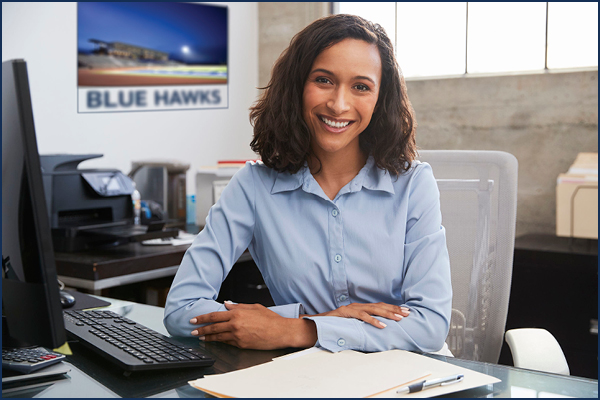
343 224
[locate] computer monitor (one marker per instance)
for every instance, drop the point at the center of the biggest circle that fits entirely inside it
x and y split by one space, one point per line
31 308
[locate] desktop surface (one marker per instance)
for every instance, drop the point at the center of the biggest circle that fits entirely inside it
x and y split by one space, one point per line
91 376
103 263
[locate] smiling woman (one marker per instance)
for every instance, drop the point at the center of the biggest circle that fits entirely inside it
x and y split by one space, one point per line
342 222
281 131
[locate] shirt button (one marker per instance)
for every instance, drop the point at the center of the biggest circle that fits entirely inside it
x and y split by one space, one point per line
335 213
341 342
337 258
342 297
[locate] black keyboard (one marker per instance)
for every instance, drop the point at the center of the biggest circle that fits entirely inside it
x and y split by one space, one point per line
26 360
133 347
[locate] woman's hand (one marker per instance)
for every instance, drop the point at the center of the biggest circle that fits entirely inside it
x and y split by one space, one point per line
365 312
253 326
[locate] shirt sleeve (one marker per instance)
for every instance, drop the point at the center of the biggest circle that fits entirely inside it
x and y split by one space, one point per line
226 235
426 287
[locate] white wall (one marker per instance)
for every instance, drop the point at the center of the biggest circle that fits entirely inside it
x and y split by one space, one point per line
45 35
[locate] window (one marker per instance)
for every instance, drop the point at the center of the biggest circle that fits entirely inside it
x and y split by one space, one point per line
572 35
439 51
506 37
454 38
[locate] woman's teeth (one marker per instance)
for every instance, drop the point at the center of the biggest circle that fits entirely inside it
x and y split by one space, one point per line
335 124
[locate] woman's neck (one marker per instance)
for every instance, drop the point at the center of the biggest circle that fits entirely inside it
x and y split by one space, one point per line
335 170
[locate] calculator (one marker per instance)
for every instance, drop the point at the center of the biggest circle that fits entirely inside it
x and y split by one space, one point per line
26 360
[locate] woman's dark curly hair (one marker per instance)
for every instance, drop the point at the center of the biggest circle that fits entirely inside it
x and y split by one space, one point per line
281 136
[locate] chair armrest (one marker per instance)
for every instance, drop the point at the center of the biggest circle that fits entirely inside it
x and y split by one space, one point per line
536 349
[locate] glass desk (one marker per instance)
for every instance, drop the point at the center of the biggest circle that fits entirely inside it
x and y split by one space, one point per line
91 376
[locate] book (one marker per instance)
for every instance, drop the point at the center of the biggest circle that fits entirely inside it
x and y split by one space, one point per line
232 163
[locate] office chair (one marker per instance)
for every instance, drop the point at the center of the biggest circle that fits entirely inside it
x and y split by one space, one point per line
478 196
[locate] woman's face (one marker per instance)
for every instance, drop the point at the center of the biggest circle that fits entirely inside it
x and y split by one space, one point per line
340 95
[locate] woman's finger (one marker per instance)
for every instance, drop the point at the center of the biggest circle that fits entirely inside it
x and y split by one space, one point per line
390 312
384 310
379 308
401 310
211 318
219 337
232 306
212 329
366 317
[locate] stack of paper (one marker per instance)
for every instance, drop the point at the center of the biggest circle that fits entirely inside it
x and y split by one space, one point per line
577 199
344 374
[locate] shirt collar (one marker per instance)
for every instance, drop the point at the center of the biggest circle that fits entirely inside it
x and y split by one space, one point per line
285 181
370 177
376 178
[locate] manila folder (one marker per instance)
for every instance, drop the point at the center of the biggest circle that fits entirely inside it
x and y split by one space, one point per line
323 374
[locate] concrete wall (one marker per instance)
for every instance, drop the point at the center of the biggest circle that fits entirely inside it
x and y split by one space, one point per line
277 24
45 35
544 119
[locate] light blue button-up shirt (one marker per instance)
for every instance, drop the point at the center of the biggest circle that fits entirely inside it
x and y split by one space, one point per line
379 240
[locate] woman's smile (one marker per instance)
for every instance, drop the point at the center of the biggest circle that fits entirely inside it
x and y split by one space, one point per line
335 125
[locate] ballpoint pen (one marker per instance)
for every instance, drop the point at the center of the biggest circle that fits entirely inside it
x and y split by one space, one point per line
426 384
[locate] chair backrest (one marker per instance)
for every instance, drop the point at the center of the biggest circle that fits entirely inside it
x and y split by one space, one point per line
478 195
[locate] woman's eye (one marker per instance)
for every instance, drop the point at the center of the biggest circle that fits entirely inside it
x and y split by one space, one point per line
322 79
362 88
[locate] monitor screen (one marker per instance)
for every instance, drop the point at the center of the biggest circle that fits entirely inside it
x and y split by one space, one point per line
31 308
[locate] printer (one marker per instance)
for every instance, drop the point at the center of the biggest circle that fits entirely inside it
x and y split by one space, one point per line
89 208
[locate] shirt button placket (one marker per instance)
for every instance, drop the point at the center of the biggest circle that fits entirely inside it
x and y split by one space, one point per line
340 284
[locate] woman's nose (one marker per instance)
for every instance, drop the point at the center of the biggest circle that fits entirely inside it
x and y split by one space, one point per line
339 101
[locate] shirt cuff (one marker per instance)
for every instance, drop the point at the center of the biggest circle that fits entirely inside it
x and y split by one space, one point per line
288 310
337 333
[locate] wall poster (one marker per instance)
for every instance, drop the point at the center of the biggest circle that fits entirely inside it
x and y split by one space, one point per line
147 56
